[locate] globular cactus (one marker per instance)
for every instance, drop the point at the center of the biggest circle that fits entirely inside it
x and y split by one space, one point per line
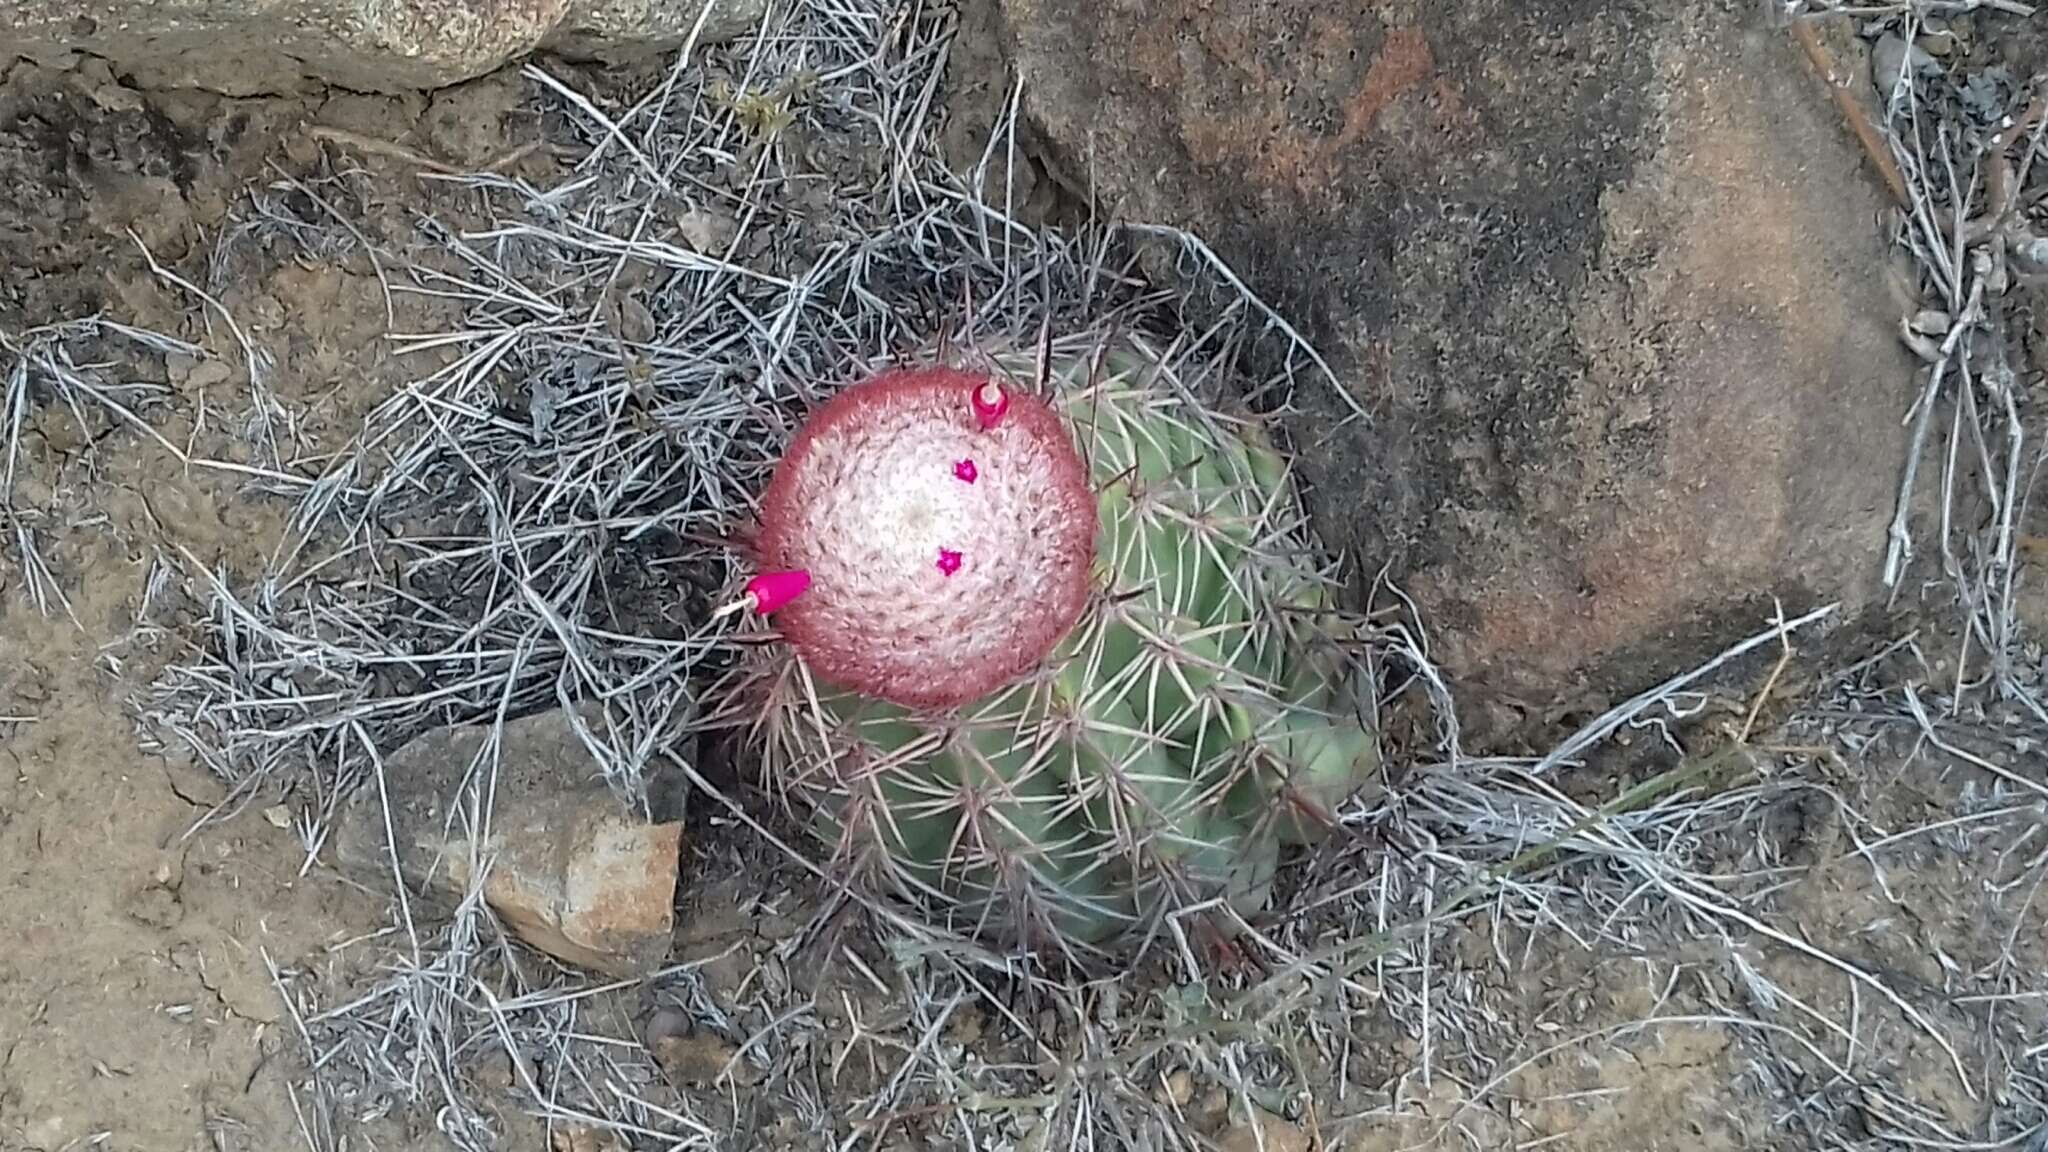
1063 660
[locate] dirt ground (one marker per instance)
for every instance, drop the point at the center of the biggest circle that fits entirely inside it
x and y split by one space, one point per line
137 1006
137 1009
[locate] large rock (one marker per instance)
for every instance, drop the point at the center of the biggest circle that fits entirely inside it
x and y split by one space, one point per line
571 869
1608 278
249 47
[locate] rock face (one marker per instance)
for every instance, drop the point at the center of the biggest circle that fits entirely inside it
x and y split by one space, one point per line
250 47
571 870
610 29
1607 277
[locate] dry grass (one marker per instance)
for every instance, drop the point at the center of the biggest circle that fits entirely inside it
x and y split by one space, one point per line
635 343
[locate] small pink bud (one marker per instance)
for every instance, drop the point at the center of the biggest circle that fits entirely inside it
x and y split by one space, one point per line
772 590
990 402
965 470
949 561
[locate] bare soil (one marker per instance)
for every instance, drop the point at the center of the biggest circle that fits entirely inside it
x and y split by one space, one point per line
137 1009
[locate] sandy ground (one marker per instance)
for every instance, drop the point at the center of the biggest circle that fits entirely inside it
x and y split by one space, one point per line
136 1001
137 1009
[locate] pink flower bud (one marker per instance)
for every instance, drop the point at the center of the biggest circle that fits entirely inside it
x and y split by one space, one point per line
772 590
990 403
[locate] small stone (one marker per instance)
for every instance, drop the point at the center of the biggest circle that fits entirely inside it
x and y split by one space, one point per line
1180 1088
571 870
1267 1133
1991 267
278 816
575 1138
465 124
2030 592
1931 321
2031 254
1889 59
209 374
966 1025
596 891
494 1073
706 231
636 322
300 147
1937 44
699 1059
667 1023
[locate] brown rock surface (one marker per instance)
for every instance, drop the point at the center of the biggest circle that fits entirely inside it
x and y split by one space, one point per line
572 870
249 47
1606 277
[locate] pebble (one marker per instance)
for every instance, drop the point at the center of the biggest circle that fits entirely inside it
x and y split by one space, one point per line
1180 1088
1889 58
574 1138
1932 321
966 1025
700 1059
667 1023
208 374
1268 1134
573 872
2031 254
1937 44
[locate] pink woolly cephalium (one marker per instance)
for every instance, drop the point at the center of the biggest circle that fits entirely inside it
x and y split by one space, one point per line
946 558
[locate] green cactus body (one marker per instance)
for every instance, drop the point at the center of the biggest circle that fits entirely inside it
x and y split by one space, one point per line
1192 720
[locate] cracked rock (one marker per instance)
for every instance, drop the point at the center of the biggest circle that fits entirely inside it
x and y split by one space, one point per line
567 865
1614 416
253 47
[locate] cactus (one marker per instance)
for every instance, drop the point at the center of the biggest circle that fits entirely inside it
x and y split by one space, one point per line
1062 663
